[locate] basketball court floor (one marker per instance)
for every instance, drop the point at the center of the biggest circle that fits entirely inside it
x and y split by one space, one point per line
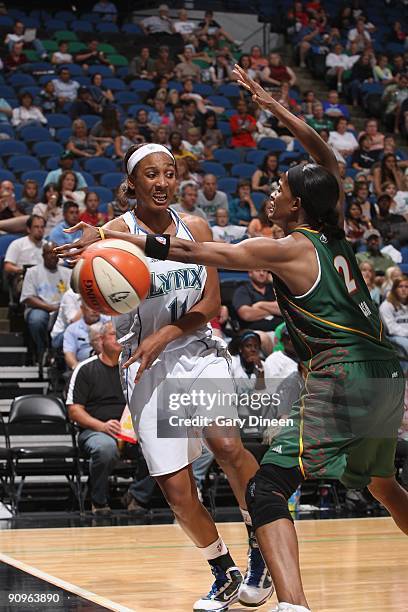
356 565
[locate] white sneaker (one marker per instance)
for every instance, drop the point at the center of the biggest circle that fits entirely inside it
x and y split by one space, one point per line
223 593
257 586
286 607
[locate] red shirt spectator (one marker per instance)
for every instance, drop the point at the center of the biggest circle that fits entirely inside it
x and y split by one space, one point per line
242 127
16 58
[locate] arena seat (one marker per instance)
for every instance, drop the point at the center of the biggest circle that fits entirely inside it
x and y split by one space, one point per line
227 156
34 175
114 84
90 120
79 25
7 175
99 165
105 195
63 134
7 92
255 157
111 180
274 145
132 28
127 98
215 168
225 128
118 60
58 120
228 90
243 170
47 149
107 28
228 184
6 128
21 163
105 71
12 147
89 178
19 79
35 134
141 85
220 101
258 198
203 89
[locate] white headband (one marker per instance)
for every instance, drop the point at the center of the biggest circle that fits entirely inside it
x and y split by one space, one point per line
141 153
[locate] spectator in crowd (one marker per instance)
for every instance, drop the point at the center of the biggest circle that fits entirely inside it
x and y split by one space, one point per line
131 136
364 158
380 261
188 201
80 143
193 144
27 114
247 367
332 108
368 273
164 66
62 56
318 121
212 136
276 73
186 68
18 36
360 35
245 63
394 313
224 231
260 225
65 88
119 206
161 135
180 123
84 104
376 137
159 115
91 214
393 96
399 203
69 311
337 63
105 131
243 127
16 58
389 224
309 35
391 274
355 225
258 61
185 27
29 197
71 218
142 119
266 178
23 253
242 208
221 70
281 364
210 27
361 197
142 66
95 402
345 142
382 72
43 288
92 56
256 306
177 146
8 204
361 73
308 102
101 95
68 188
210 198
387 171
51 209
48 99
347 180
158 24
76 345
106 10
66 163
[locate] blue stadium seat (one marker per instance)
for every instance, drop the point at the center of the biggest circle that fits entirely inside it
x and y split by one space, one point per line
105 71
58 120
112 180
106 27
228 185
34 175
103 206
89 178
115 84
19 79
84 81
371 88
258 198
99 165
175 85
255 157
80 25
229 90
243 170
90 120
7 92
131 28
220 101
297 146
215 168
6 22
65 16
13 147
290 156
105 196
227 156
18 191
272 144
34 90
41 66
35 134
22 163
122 72
52 163
135 108
127 97
52 25
63 135
91 17
141 85
75 70
7 175
47 149
6 128
203 89
6 240
225 128
404 253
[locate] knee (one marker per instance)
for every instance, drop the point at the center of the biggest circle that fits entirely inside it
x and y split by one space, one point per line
106 450
229 450
181 502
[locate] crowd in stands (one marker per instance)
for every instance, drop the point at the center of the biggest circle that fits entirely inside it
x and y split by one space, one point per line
71 105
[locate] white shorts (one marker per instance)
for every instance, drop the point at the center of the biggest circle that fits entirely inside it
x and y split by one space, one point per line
201 363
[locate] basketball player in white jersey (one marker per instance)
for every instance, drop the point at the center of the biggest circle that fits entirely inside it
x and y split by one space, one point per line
166 339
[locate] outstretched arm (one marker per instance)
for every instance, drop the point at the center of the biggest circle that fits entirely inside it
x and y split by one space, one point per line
307 136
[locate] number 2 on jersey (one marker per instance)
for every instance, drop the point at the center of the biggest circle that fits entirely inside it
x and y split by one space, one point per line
343 267
173 307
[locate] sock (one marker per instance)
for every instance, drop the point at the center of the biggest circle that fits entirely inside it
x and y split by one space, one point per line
292 607
248 522
217 554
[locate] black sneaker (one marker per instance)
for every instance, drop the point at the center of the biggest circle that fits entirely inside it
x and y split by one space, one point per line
224 591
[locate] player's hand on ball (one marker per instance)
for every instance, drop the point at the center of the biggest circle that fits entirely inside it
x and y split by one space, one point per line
147 353
112 428
259 95
73 250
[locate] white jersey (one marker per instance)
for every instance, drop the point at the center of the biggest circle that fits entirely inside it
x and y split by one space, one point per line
175 288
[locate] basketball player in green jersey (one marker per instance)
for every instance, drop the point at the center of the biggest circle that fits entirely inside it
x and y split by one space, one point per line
345 423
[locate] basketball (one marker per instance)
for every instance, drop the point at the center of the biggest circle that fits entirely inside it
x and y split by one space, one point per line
112 277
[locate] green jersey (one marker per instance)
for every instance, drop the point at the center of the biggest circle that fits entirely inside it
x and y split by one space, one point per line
336 320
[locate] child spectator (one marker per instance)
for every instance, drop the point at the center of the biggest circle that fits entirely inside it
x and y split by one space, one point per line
29 197
51 209
223 231
91 215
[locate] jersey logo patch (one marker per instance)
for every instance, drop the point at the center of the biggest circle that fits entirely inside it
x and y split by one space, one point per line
323 239
365 309
277 449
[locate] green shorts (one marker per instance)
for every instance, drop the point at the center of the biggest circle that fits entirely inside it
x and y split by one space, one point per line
345 424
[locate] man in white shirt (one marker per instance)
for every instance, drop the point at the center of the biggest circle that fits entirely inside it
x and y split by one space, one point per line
280 364
345 142
69 311
209 198
76 343
19 35
360 35
65 88
188 196
43 288
223 231
158 23
337 62
184 27
62 56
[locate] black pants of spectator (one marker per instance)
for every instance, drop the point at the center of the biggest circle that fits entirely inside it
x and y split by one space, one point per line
102 451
